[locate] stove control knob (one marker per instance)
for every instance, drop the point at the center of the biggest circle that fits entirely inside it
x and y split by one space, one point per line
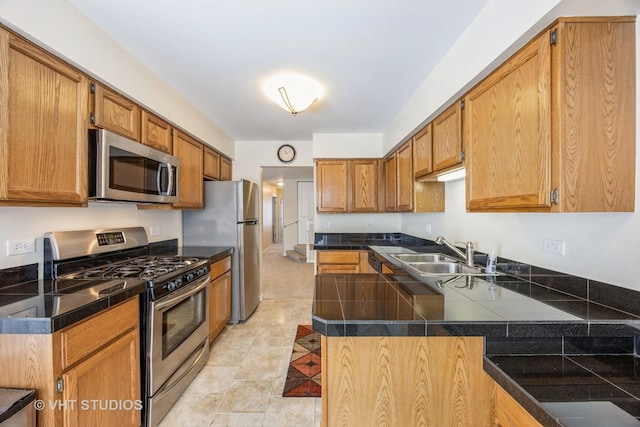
189 277
171 286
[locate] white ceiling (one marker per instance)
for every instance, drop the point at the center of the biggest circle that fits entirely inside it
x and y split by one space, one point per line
371 55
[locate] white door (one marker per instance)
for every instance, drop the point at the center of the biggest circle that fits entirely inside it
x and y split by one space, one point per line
305 211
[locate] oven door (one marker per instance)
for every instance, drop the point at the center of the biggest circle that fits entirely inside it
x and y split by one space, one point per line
179 325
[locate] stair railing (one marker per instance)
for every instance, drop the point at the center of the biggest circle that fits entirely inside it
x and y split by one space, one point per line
284 250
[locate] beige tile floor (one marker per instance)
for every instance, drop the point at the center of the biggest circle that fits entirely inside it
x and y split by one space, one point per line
241 384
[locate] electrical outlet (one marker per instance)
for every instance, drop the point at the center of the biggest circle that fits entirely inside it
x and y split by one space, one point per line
327 224
18 247
154 231
427 228
370 225
553 246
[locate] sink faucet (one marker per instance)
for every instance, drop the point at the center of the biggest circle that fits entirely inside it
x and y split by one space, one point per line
467 257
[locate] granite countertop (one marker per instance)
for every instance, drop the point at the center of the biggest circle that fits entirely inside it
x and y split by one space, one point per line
28 306
567 359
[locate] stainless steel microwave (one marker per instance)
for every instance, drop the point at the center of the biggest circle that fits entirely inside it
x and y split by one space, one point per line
121 169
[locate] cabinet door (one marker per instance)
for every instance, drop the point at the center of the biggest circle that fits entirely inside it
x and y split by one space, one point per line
109 377
447 138
190 153
405 177
364 185
390 180
211 164
507 128
116 113
225 169
156 133
43 127
422 152
220 304
332 185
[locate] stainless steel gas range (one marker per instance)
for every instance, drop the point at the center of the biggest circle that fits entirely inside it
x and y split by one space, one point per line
174 310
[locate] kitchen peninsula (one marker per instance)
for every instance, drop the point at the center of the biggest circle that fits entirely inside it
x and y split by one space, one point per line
412 350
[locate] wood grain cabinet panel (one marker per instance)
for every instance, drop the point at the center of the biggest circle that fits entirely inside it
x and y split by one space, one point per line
342 261
509 413
405 381
332 186
43 127
114 112
390 183
364 191
190 186
423 152
225 169
156 133
553 128
447 138
211 168
404 180
219 297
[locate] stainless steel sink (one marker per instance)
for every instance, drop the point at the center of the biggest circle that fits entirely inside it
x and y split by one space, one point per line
418 257
444 269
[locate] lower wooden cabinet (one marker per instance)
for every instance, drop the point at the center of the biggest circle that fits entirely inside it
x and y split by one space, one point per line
509 413
87 374
342 261
405 381
219 297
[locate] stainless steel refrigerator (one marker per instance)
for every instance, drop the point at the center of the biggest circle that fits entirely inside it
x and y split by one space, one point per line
230 218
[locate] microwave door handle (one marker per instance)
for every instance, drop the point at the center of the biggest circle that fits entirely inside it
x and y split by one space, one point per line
159 175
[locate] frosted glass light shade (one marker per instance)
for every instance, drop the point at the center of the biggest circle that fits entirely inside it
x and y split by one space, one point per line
294 93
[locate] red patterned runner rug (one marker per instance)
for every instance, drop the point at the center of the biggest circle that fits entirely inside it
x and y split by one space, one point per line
303 376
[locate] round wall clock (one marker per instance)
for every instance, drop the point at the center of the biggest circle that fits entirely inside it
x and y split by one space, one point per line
286 153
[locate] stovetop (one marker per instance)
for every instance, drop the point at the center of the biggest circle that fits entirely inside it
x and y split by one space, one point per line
148 268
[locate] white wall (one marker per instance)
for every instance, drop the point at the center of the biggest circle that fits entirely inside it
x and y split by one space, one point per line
31 223
61 28
344 145
268 192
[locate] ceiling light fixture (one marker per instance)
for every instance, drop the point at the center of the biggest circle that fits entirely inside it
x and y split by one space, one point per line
294 93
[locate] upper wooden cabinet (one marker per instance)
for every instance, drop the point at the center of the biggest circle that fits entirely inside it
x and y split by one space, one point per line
156 133
225 169
423 152
114 112
364 185
332 186
390 182
190 153
404 182
211 168
447 139
216 166
43 127
553 128
348 185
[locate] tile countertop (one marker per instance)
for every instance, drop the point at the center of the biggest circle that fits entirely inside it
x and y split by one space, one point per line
27 308
565 385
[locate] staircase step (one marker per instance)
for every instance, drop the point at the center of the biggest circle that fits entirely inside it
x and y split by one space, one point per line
296 256
301 249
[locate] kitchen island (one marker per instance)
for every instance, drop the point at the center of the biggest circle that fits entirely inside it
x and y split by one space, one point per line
407 350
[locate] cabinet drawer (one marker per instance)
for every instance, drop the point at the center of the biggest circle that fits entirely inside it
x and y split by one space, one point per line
338 268
338 257
80 340
219 267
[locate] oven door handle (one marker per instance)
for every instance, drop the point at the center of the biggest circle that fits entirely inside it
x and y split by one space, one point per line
174 299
